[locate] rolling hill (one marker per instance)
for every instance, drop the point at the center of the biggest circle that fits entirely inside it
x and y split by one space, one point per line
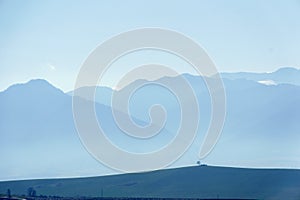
188 182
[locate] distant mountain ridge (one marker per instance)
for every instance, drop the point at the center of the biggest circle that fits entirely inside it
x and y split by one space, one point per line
36 126
288 75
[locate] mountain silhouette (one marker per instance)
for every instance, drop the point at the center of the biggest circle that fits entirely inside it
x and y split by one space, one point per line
37 129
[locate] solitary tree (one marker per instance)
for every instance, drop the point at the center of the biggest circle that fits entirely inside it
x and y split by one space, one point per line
31 192
9 193
34 193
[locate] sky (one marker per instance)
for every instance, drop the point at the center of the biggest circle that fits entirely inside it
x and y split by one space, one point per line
51 39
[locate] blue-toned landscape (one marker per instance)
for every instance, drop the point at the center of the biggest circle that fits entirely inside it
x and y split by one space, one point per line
149 100
261 133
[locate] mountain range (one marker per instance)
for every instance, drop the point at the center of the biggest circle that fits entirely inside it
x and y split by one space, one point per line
38 137
288 75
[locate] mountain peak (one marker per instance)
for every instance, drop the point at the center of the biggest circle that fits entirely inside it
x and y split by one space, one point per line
39 81
39 86
287 70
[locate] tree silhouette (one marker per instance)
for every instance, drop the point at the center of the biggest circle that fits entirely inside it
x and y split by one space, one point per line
31 192
34 193
8 193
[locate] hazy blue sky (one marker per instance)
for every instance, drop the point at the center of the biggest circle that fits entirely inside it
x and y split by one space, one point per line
51 39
